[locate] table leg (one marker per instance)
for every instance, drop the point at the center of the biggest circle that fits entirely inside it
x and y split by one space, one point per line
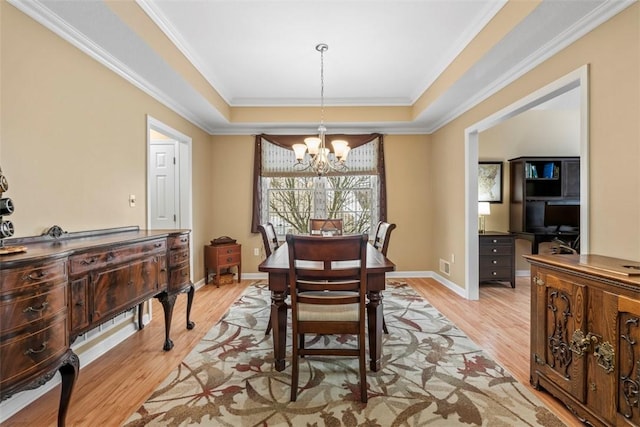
279 324
374 315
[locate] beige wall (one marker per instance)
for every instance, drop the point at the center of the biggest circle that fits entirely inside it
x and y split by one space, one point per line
73 137
612 52
73 148
408 194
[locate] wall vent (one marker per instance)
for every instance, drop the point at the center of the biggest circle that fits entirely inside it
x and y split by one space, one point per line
445 267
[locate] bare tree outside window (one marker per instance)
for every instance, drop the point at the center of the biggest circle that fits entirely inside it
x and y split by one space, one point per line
293 201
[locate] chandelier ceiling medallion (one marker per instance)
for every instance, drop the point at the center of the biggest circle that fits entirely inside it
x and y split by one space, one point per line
314 154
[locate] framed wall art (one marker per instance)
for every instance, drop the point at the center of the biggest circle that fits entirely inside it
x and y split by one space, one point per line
490 182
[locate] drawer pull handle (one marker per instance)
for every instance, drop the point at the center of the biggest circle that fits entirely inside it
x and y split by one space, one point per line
42 348
163 270
495 241
158 245
110 256
37 310
89 261
184 274
229 259
494 261
185 255
494 250
35 276
494 273
184 240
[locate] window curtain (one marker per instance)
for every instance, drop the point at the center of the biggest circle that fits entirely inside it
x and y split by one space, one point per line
282 165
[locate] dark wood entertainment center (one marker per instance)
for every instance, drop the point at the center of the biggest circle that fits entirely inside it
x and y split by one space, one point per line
65 285
536 182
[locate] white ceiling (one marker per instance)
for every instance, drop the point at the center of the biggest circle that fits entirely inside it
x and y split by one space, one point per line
262 52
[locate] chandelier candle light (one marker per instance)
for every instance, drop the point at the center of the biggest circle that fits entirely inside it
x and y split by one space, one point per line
321 160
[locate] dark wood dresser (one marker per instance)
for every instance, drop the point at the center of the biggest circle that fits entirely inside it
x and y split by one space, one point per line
497 257
585 335
67 284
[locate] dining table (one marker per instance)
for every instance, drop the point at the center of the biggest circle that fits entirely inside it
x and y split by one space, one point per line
277 266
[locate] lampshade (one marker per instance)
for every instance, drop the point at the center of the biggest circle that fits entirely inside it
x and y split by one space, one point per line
484 208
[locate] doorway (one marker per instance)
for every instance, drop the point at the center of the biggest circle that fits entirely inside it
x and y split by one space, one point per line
576 79
169 186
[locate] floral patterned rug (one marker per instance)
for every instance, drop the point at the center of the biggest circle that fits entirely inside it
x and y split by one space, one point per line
432 374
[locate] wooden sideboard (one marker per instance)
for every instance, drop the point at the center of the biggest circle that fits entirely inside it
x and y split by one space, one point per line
585 335
68 283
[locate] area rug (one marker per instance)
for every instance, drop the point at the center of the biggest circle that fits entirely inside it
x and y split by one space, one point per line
432 374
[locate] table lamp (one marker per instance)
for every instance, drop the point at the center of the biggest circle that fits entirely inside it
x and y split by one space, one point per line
484 208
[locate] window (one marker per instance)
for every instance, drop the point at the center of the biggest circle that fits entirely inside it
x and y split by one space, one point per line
289 198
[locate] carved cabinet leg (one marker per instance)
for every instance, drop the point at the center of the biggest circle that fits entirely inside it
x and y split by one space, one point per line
69 373
190 294
140 322
167 301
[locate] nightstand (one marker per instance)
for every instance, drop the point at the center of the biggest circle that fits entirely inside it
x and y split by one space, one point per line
220 257
497 257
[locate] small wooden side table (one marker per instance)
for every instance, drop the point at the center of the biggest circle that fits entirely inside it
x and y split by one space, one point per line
220 257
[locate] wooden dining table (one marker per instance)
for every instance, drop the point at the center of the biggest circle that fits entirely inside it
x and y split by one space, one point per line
277 265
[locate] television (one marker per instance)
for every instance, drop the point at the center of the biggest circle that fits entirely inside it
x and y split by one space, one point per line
561 215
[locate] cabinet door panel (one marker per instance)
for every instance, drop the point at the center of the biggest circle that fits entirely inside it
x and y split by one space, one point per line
629 359
560 304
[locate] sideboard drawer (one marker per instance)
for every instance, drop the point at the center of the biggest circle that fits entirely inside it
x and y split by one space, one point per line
24 308
101 258
30 352
34 275
178 242
178 256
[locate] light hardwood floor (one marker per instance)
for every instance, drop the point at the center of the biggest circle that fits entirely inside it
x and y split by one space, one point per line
110 389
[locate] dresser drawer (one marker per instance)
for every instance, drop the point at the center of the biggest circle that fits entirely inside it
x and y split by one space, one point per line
500 273
30 352
496 250
97 259
489 261
178 256
496 240
19 310
33 275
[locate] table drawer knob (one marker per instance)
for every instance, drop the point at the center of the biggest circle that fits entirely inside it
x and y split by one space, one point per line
494 250
229 259
35 276
494 262
495 240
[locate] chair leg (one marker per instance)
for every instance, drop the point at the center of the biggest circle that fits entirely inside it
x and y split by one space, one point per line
294 370
268 330
363 370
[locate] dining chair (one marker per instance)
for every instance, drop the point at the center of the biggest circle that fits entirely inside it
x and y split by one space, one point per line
270 241
328 286
323 226
381 243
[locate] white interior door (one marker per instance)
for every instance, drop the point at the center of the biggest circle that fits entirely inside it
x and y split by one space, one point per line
164 188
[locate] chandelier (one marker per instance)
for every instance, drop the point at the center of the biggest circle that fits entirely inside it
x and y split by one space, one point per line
320 159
